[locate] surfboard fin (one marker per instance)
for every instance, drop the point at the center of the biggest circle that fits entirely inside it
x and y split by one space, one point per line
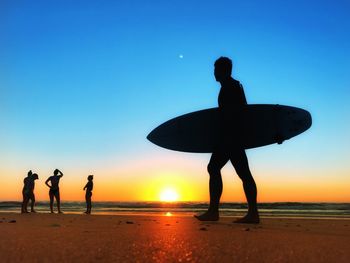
279 139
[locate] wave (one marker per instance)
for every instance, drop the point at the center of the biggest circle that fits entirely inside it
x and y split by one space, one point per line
227 208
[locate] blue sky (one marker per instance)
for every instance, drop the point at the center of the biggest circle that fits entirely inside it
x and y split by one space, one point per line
83 83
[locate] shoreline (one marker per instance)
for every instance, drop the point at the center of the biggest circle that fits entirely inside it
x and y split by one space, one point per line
181 214
138 238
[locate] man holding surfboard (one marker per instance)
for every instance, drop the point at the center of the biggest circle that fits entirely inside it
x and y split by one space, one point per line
231 104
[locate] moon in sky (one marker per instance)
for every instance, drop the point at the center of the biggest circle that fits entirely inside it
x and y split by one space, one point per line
181 56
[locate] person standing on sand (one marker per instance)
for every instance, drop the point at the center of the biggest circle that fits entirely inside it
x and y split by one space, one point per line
54 189
88 193
26 192
231 101
31 195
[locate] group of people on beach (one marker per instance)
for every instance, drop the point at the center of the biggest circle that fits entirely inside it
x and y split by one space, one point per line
54 193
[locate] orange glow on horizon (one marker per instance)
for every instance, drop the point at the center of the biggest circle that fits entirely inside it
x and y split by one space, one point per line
145 184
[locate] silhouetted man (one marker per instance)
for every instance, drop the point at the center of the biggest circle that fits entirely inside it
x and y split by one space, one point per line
54 189
88 194
26 192
31 195
231 105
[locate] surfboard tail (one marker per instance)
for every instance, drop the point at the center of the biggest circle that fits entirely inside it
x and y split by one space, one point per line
308 120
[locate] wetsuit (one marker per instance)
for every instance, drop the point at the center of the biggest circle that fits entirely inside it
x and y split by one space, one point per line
26 188
54 190
232 102
89 186
88 194
31 189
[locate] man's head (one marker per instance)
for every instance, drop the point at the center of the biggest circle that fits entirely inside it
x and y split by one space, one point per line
35 176
222 68
90 177
55 172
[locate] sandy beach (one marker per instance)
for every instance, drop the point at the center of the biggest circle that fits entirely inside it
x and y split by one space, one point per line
145 238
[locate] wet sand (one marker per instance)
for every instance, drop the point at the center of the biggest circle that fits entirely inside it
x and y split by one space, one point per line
143 238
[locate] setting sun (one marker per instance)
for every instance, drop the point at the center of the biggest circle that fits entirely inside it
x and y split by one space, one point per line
169 195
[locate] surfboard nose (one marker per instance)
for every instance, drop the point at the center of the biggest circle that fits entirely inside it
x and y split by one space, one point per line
162 134
151 136
156 135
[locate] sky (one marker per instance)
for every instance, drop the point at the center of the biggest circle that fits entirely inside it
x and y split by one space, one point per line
82 83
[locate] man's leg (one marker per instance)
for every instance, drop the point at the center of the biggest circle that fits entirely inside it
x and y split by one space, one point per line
51 201
32 199
24 204
58 200
89 204
240 162
217 161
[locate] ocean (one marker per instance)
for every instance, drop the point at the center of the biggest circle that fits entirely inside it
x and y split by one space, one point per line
281 209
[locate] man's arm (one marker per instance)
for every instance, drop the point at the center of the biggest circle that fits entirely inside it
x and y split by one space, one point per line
32 186
244 99
46 182
61 174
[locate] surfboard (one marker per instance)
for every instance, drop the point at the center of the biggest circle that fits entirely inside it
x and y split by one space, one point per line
201 131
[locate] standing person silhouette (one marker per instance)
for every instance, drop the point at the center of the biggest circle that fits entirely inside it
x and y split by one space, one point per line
28 192
54 189
231 104
89 186
31 196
